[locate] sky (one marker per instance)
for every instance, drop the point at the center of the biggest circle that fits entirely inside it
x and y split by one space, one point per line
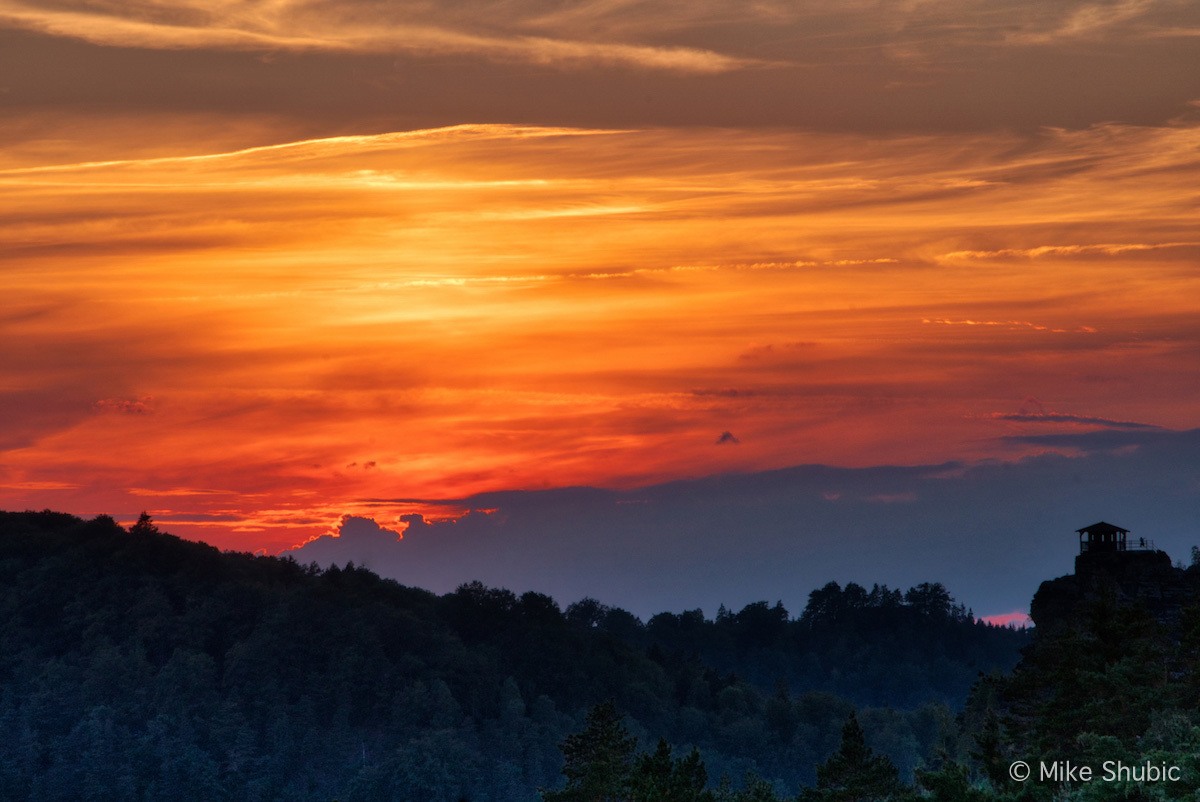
266 265
990 531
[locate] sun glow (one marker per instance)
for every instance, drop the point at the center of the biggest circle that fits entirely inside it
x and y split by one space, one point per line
277 334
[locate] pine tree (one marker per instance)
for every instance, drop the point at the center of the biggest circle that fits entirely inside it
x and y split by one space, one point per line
144 526
657 777
597 760
855 773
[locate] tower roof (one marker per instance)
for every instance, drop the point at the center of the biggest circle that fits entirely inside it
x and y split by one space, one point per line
1102 528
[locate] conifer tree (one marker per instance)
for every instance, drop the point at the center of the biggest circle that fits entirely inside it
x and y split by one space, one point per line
657 777
855 773
144 526
597 760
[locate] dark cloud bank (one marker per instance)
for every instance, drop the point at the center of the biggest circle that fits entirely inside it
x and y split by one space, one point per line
990 531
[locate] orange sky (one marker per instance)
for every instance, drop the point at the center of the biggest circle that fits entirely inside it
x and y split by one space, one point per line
248 321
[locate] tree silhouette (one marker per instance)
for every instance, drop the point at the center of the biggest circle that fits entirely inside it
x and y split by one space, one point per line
597 760
657 777
144 526
854 773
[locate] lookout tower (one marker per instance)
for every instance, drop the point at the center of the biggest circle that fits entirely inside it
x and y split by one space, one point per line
1114 568
1107 547
1102 537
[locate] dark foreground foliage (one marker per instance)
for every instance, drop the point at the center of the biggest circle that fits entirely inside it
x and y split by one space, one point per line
600 767
1112 689
135 665
1104 705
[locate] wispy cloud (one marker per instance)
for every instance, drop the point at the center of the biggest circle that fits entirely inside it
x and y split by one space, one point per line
168 492
1087 20
1100 249
126 406
341 28
38 486
1008 324
328 147
1086 420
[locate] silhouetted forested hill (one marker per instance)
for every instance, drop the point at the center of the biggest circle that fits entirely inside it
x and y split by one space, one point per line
135 665
875 648
1110 682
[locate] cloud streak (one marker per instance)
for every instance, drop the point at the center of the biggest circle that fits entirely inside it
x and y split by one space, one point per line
320 27
1008 324
1102 249
1056 417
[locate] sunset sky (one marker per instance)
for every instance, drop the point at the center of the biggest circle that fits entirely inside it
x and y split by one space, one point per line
264 264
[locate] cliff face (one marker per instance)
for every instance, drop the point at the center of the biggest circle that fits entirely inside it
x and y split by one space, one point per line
1127 578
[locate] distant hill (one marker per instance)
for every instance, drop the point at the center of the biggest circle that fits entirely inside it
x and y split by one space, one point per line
136 665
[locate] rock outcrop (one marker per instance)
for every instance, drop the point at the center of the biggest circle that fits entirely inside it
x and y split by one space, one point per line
1145 578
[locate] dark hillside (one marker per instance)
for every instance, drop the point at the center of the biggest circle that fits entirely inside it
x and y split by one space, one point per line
136 665
1109 683
876 648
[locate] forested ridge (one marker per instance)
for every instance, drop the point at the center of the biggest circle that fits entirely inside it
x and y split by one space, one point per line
136 665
